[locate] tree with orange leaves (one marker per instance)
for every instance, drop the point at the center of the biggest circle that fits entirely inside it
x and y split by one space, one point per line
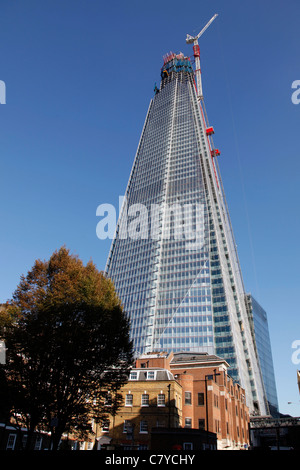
67 347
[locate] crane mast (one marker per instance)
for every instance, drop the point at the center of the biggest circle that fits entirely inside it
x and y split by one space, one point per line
196 49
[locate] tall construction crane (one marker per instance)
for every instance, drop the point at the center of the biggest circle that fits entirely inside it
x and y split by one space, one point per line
196 48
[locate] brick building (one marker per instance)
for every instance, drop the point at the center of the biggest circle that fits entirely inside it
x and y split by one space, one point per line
152 399
212 401
179 391
15 438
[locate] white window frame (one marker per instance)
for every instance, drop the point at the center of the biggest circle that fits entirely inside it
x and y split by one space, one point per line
108 399
185 423
133 375
105 425
161 396
143 427
186 394
150 375
130 401
144 397
126 426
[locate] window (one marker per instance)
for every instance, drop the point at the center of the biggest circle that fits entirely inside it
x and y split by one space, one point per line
188 398
187 446
200 399
150 375
129 399
24 441
201 423
126 426
188 423
143 426
38 443
105 426
160 424
133 376
108 399
161 399
145 399
216 401
11 441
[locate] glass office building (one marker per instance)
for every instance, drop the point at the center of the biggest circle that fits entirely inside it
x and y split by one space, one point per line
259 324
173 259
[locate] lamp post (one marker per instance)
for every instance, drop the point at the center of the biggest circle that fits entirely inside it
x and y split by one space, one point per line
169 401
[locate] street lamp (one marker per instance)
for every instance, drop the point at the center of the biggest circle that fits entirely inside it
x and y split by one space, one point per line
169 401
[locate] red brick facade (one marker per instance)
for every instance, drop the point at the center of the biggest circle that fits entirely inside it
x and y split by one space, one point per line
210 399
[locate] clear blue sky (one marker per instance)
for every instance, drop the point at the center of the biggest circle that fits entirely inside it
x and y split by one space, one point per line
79 76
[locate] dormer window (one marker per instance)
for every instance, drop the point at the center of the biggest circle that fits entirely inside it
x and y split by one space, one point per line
133 376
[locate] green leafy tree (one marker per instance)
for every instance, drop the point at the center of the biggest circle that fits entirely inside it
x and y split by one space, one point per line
68 348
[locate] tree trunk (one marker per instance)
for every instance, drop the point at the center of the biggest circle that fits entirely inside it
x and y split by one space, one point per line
56 436
30 435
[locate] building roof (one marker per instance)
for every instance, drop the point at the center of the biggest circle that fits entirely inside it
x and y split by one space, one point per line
154 355
196 358
151 374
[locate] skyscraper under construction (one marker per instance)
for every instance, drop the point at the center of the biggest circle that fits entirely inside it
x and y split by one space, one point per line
173 258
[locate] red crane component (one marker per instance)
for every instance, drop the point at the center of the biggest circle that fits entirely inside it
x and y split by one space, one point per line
215 153
196 50
210 131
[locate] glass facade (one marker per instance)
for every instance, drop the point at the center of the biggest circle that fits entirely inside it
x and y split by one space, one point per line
173 259
259 322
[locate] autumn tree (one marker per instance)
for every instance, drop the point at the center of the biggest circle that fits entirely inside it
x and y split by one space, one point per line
67 348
